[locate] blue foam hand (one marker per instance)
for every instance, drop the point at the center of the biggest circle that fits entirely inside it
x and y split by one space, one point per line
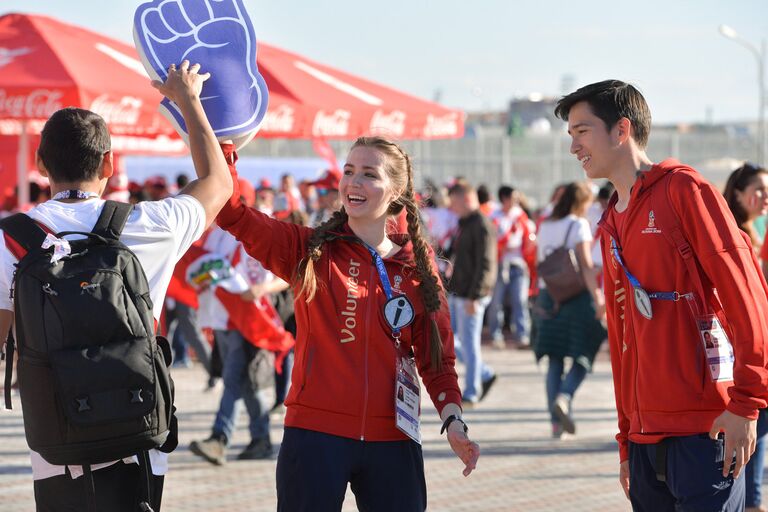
219 36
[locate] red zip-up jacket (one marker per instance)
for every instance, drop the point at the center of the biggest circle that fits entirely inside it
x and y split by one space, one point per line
661 379
344 371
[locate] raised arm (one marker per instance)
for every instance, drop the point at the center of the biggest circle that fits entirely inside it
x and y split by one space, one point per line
213 185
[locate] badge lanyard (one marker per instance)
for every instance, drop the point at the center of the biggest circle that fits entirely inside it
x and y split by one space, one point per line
74 194
398 311
642 298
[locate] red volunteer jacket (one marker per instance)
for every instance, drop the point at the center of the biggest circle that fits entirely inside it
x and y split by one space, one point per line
661 378
344 373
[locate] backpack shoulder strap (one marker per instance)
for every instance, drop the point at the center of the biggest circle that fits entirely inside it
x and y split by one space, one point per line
669 223
112 219
26 234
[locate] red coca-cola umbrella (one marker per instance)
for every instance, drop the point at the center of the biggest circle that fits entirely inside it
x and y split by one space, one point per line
46 65
311 100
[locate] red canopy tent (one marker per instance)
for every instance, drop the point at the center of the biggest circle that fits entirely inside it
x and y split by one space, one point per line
46 65
312 100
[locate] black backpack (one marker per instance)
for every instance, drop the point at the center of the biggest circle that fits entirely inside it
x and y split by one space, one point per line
93 377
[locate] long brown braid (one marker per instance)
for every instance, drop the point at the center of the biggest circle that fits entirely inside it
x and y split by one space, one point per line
398 168
429 286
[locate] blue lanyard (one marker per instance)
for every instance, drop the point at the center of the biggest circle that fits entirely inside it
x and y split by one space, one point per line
383 276
635 283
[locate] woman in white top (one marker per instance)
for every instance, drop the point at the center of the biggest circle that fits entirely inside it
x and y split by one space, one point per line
571 329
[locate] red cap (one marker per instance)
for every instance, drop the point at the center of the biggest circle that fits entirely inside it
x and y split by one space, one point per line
265 184
156 181
329 181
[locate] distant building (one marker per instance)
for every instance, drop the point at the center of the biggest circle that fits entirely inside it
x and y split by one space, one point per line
534 114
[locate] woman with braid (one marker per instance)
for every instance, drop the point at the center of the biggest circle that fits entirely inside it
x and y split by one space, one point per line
371 315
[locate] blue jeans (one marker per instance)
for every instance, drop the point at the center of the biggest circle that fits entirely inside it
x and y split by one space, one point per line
515 290
237 386
467 330
556 384
755 467
183 332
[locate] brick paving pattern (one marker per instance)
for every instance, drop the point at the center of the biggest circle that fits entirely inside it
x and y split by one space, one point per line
521 467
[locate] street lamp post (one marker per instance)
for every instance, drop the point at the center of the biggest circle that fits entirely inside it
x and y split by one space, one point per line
759 53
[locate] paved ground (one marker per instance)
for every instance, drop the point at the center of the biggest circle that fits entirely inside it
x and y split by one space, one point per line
521 467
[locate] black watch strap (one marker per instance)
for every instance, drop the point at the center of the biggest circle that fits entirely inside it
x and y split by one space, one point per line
450 419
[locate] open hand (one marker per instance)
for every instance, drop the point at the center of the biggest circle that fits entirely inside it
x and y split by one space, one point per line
740 440
183 84
468 451
624 477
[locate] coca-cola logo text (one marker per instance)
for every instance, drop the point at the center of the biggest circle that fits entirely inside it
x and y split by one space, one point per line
442 126
392 124
38 104
278 120
124 111
335 124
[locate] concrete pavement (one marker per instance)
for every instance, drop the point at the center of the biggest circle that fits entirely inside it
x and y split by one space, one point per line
521 467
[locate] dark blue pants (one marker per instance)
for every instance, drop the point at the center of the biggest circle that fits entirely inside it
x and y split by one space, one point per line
755 469
694 477
313 470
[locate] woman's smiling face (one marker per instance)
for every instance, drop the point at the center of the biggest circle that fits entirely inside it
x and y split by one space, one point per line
365 187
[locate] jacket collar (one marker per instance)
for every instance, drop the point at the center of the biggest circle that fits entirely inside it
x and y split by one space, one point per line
643 183
404 256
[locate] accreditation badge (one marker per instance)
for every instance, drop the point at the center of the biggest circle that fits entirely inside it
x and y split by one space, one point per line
407 400
718 349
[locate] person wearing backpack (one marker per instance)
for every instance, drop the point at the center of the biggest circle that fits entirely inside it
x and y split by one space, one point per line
75 154
569 329
676 266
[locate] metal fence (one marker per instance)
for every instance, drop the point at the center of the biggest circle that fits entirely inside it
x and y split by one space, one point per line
534 164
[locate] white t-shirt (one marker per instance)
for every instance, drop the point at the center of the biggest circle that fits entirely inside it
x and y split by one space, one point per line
158 232
508 225
441 225
551 235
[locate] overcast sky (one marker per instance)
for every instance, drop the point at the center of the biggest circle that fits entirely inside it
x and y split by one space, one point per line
478 54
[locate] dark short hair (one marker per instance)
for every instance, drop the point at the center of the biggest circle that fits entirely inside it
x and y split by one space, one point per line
461 188
72 145
483 195
610 100
505 192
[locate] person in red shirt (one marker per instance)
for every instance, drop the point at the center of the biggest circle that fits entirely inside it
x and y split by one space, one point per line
746 193
674 399
370 313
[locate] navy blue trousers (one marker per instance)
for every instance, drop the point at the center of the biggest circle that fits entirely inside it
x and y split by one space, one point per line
694 477
313 470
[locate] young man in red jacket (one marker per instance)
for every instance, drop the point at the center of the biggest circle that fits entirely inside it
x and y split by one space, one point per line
676 267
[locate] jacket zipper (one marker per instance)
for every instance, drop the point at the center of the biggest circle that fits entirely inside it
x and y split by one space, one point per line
372 287
629 309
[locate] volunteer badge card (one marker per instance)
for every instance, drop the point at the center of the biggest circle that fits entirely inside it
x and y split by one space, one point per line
218 35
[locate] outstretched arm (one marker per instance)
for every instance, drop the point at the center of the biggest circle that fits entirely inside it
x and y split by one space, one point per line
213 185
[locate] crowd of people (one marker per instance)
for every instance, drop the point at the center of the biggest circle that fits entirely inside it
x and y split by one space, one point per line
356 285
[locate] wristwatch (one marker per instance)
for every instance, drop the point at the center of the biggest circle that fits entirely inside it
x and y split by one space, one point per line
450 419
